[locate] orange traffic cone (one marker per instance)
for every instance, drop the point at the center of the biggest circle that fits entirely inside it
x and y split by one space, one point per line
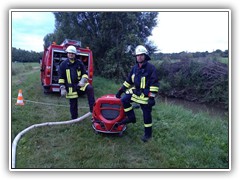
20 98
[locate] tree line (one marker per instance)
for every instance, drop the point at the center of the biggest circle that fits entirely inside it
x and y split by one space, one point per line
190 55
21 55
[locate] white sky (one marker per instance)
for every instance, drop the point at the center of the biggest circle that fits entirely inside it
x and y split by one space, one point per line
29 29
175 32
191 31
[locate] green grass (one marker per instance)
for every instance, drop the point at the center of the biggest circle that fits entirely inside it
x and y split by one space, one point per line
224 60
181 139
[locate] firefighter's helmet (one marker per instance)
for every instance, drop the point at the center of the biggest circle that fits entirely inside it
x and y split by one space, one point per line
71 49
142 50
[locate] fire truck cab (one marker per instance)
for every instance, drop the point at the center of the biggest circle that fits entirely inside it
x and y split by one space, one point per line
54 55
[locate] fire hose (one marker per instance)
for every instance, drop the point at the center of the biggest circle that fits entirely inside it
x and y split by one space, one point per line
17 138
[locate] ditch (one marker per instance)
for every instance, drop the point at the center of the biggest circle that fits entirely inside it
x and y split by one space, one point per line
212 110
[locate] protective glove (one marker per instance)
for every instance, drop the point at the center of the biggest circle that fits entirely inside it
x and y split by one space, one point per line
63 90
82 82
119 93
151 101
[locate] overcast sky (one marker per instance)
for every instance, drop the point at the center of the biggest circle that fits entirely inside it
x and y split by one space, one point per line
191 31
176 31
29 29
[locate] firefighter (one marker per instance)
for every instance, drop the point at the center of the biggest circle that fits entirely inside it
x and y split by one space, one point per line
73 80
141 86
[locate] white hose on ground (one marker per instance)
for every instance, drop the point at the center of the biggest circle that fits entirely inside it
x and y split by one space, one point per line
17 138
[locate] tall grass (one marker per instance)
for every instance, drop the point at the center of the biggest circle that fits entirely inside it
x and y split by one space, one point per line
19 68
181 139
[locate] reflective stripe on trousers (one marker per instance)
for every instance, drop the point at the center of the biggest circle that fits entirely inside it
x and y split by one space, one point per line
147 110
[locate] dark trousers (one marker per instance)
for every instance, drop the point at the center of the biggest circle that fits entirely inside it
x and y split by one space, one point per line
146 109
74 102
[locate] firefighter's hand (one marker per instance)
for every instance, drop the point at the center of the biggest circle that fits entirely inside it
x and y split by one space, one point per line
63 90
151 101
118 95
82 82
120 91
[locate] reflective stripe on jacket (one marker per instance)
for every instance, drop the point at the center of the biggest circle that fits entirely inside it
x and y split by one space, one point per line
141 81
70 73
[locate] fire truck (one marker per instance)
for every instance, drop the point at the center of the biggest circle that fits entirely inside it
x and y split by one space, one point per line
54 55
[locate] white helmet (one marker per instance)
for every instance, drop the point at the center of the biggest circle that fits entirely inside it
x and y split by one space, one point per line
71 49
142 50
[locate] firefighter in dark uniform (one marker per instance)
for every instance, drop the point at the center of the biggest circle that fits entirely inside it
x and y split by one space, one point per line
141 86
73 80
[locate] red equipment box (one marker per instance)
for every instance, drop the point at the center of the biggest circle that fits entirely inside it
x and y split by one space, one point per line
107 112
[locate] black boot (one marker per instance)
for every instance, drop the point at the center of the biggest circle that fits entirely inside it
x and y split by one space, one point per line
131 118
147 134
125 121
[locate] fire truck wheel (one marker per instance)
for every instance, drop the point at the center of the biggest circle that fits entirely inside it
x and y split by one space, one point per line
45 90
120 134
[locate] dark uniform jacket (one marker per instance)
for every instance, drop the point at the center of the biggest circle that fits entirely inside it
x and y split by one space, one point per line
141 81
70 73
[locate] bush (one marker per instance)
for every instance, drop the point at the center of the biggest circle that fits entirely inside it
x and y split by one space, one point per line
204 81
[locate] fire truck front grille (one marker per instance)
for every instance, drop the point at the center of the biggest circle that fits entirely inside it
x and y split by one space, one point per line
110 114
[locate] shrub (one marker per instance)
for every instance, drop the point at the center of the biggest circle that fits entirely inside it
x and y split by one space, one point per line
204 80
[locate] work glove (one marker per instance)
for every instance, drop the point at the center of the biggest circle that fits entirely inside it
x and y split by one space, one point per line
119 93
151 101
63 90
82 82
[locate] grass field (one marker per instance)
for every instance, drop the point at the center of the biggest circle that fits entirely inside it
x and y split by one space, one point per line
181 139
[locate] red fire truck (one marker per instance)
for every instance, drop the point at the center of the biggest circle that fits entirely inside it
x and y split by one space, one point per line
54 55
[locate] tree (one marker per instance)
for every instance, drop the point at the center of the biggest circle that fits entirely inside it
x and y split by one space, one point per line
49 39
107 34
